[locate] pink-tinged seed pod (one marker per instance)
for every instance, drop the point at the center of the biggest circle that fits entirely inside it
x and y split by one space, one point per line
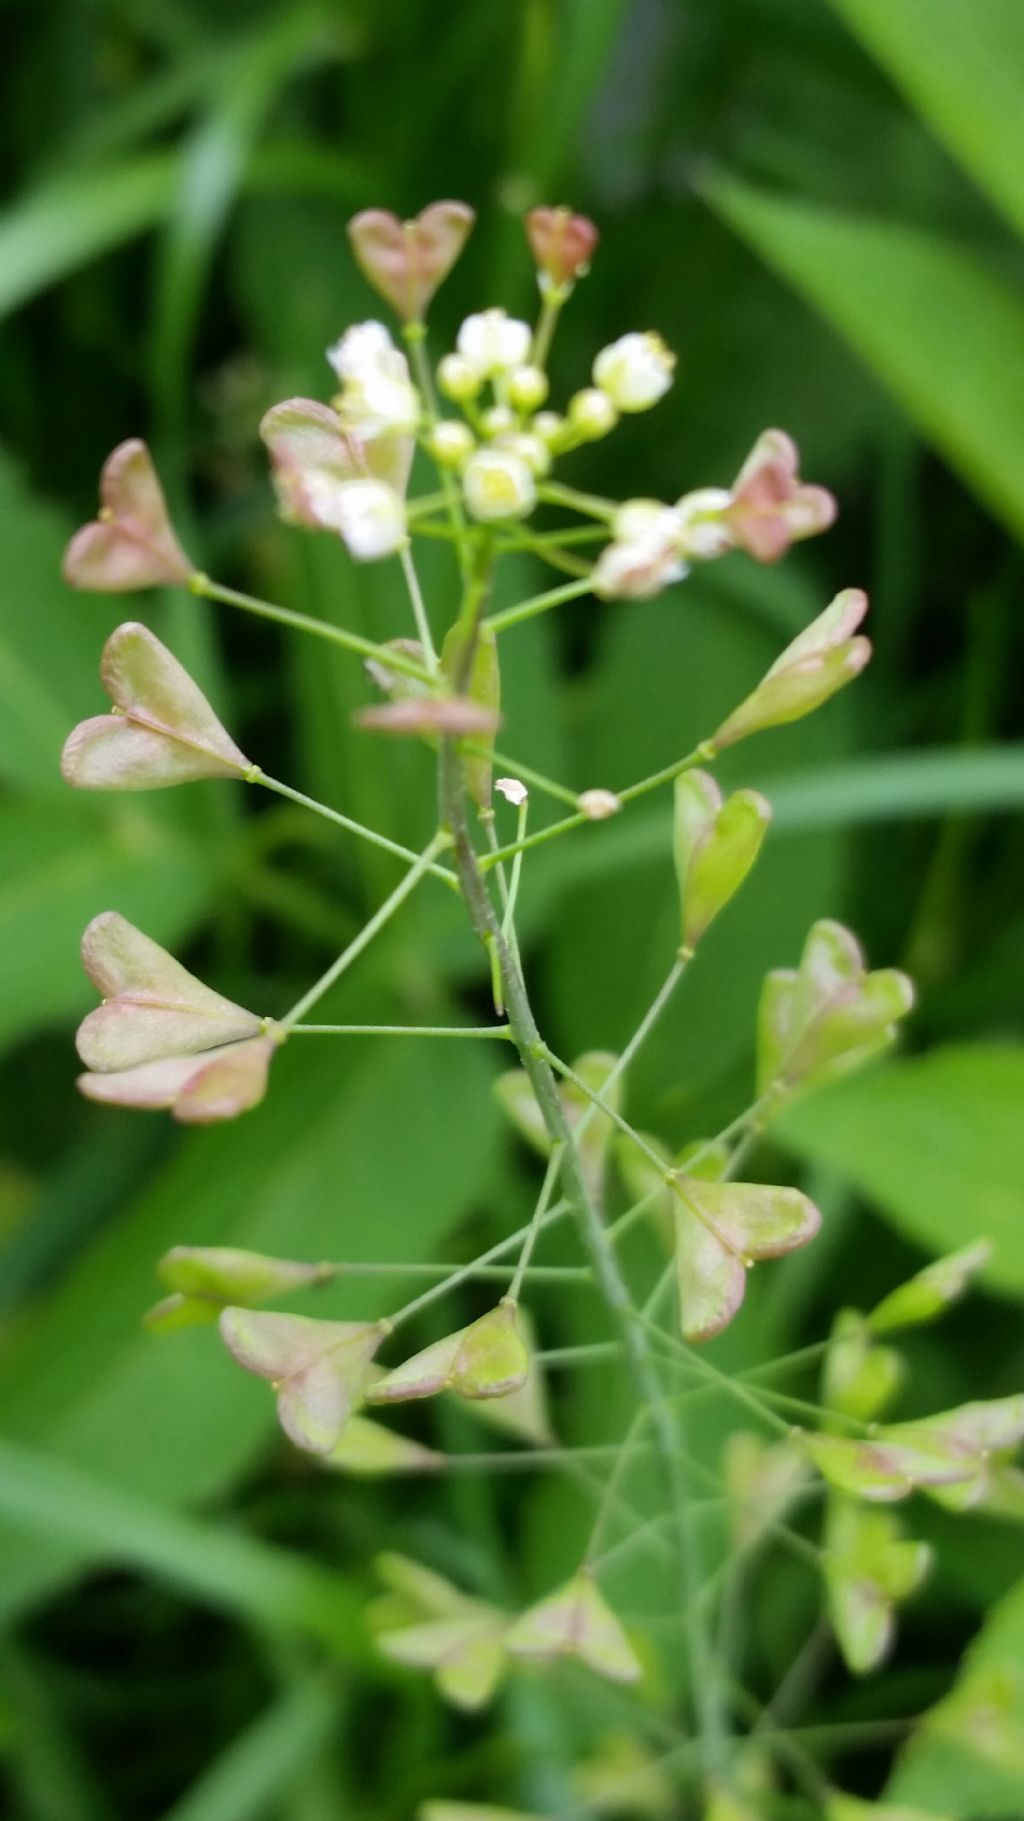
562 243
161 1039
453 717
406 261
162 731
132 543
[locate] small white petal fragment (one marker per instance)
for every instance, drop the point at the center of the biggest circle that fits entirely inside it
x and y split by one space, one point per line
512 790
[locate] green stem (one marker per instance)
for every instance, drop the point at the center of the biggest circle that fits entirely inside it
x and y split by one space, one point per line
546 1192
633 1336
442 1272
419 611
516 769
640 1035
593 504
544 333
498 1250
303 622
507 926
415 336
400 1030
365 936
700 755
538 603
256 776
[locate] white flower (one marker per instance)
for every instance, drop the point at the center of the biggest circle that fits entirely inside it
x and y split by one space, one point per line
645 554
497 484
513 790
368 514
366 347
494 342
635 371
377 395
705 532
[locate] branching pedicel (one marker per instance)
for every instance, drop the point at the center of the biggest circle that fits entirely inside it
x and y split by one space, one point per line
163 1039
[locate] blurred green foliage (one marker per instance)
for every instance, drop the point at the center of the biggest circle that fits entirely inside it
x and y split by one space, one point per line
820 207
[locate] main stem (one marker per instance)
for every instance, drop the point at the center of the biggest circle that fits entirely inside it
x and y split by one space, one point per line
631 1331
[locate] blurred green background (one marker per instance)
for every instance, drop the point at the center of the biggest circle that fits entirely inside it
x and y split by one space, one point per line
820 206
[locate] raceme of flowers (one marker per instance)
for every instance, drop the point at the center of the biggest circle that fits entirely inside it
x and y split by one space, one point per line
162 1039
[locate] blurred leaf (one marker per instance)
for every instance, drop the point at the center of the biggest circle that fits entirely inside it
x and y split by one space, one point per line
78 217
261 1765
319 1174
963 69
967 1756
212 166
237 1573
940 328
936 1144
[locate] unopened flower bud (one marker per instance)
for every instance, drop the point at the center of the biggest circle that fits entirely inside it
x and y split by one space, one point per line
494 342
550 426
497 484
562 243
592 413
498 420
450 442
703 528
818 662
598 805
635 371
526 388
533 451
457 379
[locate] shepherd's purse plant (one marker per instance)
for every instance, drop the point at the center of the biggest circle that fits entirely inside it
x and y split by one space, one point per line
823 1478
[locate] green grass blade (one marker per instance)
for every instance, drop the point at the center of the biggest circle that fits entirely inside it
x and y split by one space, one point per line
65 224
938 327
962 68
261 1765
